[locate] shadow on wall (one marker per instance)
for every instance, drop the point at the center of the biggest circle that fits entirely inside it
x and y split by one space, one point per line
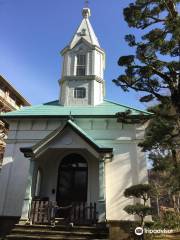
119 173
124 171
7 220
6 223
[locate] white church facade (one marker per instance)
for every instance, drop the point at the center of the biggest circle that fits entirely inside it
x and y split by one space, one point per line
73 150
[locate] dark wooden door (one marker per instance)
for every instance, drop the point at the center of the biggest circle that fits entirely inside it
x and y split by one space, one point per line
72 183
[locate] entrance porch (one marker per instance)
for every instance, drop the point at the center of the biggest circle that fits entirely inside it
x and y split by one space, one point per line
66 178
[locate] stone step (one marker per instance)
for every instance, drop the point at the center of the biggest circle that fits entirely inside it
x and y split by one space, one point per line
65 232
60 221
92 229
55 232
44 237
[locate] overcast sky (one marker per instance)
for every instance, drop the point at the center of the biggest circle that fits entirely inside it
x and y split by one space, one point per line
33 32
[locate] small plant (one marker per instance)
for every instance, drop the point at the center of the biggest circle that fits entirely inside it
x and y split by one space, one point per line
168 220
141 191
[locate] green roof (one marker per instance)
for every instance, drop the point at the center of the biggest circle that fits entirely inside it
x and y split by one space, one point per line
85 135
54 109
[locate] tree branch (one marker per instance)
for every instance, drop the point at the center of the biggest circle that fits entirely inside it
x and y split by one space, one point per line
157 19
149 24
171 8
148 90
160 74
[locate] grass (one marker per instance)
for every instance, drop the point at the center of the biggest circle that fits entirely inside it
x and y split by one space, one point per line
167 237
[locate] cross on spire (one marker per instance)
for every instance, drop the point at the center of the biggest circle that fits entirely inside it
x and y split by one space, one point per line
86 3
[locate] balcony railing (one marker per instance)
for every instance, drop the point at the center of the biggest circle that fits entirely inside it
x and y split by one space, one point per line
8 100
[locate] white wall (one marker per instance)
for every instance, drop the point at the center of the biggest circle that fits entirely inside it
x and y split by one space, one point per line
128 166
13 180
94 66
72 84
125 170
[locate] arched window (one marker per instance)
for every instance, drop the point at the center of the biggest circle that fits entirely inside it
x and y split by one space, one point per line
38 183
72 180
81 65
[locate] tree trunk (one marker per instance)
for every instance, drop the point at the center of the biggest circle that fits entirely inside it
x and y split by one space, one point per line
142 221
174 157
178 202
157 205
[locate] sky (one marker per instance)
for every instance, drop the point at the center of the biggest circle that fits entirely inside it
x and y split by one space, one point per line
33 32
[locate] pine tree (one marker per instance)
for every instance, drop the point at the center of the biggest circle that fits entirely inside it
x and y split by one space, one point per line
154 68
141 192
164 155
162 136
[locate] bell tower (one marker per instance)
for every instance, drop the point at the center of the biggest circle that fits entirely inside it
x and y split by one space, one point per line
83 67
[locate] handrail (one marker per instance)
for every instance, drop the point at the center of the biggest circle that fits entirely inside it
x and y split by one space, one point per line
46 212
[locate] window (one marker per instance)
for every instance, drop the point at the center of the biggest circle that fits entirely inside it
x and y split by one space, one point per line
79 93
83 32
81 65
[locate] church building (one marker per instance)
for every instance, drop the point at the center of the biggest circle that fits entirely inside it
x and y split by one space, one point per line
73 151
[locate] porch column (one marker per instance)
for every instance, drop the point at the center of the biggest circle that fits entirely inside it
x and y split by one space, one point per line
28 192
101 202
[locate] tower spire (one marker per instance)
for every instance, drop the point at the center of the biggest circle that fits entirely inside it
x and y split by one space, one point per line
82 81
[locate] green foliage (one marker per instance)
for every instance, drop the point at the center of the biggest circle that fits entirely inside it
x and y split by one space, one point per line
138 209
169 220
162 142
139 191
154 71
148 70
126 60
162 131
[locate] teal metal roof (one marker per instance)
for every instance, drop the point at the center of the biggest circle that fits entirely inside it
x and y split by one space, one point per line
54 109
42 145
83 133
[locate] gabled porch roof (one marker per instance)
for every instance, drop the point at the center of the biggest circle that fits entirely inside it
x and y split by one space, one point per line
43 144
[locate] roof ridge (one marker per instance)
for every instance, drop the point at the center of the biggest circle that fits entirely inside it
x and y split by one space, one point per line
16 91
78 127
87 23
107 108
123 105
85 134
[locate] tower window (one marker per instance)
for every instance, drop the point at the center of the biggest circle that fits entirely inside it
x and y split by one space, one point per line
81 65
79 93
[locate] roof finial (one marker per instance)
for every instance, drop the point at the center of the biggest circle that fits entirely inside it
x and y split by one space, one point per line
86 10
86 4
70 117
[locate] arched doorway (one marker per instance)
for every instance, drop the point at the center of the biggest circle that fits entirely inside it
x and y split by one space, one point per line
72 180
